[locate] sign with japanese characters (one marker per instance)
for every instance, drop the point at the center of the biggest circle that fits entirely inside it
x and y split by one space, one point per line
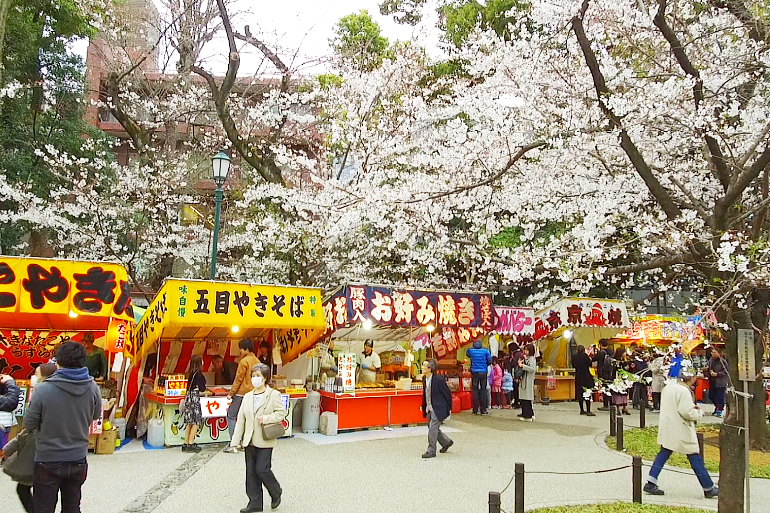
346 363
581 312
295 313
21 351
514 320
659 327
215 406
401 307
62 287
747 370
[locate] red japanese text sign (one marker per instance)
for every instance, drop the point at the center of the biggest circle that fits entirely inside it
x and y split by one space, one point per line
21 351
581 312
514 320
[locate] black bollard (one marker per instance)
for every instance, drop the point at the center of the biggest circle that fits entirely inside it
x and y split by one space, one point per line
613 415
518 488
494 502
619 434
643 414
701 444
636 476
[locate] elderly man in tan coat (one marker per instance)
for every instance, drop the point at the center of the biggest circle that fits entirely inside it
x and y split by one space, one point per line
676 432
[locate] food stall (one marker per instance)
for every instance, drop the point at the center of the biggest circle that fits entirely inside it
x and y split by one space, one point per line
661 331
44 302
206 318
435 324
560 328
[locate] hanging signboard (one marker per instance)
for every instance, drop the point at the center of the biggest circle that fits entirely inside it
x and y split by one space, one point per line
581 312
514 320
401 307
62 288
21 351
346 363
289 310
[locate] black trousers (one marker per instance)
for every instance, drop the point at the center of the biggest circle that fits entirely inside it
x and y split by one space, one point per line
258 473
656 400
526 409
582 400
480 398
51 478
25 496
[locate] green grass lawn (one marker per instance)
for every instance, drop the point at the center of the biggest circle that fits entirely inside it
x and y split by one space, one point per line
619 507
643 442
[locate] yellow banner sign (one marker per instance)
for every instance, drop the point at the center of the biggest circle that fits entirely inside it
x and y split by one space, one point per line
64 287
237 306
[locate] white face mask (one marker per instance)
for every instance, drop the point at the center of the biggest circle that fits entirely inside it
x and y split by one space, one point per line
34 380
257 381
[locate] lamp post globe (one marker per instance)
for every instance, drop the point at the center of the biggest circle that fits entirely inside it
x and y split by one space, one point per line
220 164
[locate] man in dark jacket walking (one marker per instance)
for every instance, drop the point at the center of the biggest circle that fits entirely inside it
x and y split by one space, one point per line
61 410
716 372
603 364
436 405
480 358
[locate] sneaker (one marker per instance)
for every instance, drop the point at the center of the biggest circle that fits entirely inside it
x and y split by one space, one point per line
525 419
230 450
710 494
652 489
718 414
590 414
485 413
194 448
185 448
583 413
603 408
656 411
428 455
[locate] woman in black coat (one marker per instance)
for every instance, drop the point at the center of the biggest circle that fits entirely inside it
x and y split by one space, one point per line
583 380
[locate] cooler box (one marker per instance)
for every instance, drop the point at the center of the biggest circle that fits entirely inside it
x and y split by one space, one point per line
456 408
466 400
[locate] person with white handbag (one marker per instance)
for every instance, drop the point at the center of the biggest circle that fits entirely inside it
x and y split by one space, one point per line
259 425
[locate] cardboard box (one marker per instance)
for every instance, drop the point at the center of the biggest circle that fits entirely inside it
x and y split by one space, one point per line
91 442
105 443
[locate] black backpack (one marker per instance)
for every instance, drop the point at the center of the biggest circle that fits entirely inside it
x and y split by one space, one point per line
607 369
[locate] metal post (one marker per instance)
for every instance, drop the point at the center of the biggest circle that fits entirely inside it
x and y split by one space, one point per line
701 443
494 502
643 414
218 200
636 475
747 443
619 438
613 415
518 488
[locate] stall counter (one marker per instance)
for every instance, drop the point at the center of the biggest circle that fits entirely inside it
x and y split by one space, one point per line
374 408
565 387
214 429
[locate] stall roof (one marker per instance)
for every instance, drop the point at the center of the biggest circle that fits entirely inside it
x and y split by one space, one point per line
210 310
64 295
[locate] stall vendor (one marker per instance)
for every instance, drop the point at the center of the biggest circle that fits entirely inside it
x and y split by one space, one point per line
224 372
370 364
328 366
264 354
96 360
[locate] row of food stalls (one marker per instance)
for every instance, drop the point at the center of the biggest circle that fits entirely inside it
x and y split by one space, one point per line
43 302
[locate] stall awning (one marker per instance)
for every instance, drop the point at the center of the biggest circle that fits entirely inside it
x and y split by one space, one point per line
581 312
446 320
207 310
45 301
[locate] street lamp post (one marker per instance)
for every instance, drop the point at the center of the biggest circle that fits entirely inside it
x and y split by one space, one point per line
221 166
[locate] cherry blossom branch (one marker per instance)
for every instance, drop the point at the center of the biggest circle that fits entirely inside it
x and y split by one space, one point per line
695 202
757 30
721 168
662 196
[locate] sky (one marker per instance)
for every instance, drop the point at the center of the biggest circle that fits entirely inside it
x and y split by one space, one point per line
301 29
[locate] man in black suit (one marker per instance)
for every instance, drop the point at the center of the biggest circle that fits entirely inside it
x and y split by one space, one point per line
436 406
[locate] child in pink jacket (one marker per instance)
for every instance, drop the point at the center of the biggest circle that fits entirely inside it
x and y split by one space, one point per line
497 384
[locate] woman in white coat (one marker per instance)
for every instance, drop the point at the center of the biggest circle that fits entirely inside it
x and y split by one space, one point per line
260 406
676 433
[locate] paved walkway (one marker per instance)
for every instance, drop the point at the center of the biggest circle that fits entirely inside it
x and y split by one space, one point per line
383 472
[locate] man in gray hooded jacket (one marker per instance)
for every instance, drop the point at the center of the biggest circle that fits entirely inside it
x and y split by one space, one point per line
61 410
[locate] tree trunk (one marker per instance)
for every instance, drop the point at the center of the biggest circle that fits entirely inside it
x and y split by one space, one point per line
732 464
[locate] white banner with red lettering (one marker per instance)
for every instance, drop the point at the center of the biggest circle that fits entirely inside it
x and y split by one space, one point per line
581 313
514 320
